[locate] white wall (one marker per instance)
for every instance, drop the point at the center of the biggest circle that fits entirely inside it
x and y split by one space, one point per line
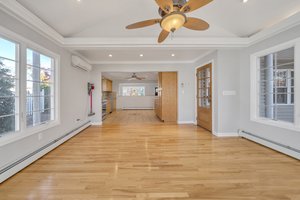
145 102
149 86
73 97
225 78
280 135
185 94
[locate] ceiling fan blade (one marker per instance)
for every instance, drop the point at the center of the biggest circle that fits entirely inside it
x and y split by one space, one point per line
196 24
166 5
192 5
163 35
143 24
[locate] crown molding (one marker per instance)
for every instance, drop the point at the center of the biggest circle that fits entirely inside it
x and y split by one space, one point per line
190 42
286 24
16 10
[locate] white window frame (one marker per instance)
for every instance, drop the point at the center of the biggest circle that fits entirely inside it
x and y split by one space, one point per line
23 45
254 87
56 121
17 103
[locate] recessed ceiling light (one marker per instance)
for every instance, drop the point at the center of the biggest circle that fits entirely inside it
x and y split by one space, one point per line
110 55
141 55
78 0
245 1
173 55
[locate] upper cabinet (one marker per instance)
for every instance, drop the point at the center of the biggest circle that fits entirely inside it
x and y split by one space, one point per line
106 85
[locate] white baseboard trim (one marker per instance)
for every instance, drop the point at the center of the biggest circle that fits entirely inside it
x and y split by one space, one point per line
185 122
226 134
271 145
18 167
96 123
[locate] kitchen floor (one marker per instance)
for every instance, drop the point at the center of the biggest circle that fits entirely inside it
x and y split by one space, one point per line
131 116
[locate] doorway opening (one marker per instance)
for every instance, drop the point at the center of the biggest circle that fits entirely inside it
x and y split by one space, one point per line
128 97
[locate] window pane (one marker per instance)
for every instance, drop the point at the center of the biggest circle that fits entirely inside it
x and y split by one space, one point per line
8 79
282 99
39 117
7 86
7 124
281 78
7 106
133 91
7 49
276 82
40 89
46 62
8 67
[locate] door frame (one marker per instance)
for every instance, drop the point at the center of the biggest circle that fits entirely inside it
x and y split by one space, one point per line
212 89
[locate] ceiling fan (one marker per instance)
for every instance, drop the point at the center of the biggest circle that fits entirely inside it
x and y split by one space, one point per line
135 77
173 13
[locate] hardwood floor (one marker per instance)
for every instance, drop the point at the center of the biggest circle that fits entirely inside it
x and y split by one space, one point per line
156 161
132 116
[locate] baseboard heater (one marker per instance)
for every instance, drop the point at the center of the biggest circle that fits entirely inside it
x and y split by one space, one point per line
40 150
291 151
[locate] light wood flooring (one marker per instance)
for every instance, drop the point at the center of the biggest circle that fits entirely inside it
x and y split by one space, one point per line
132 116
156 161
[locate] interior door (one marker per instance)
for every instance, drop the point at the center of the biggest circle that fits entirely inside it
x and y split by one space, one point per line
204 97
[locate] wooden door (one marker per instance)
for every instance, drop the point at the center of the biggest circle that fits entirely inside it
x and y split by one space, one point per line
204 97
159 97
169 96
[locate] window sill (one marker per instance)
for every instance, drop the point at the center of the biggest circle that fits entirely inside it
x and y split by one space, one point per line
14 137
279 124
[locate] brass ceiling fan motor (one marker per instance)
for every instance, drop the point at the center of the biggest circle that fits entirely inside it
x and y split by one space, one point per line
173 13
177 4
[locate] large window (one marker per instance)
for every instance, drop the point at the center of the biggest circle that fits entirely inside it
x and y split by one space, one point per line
40 89
28 88
276 82
133 91
9 96
275 86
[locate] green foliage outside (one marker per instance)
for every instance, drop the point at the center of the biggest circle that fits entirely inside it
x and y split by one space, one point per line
7 105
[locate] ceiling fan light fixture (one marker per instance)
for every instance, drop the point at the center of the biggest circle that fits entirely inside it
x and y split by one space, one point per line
173 21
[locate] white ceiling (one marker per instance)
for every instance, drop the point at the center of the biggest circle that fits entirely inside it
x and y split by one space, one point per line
131 55
123 76
99 18
91 19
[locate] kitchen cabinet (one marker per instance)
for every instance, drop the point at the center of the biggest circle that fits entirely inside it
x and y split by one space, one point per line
106 85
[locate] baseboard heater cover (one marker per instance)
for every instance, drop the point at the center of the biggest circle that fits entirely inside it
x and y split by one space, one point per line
285 149
4 173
